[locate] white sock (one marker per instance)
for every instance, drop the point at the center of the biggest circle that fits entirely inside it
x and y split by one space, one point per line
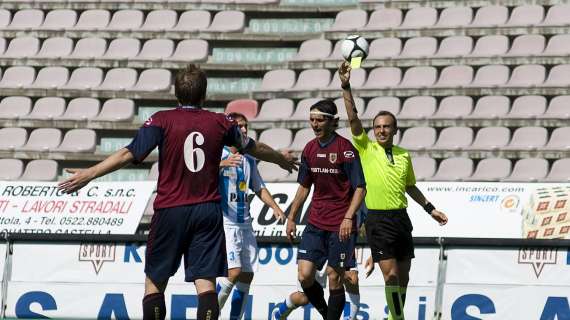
224 288
354 299
243 295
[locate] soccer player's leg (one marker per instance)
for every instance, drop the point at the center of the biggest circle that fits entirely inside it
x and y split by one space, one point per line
405 254
340 257
311 256
233 250
352 292
293 301
248 265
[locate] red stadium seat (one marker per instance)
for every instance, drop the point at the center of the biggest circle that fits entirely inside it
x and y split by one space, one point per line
247 107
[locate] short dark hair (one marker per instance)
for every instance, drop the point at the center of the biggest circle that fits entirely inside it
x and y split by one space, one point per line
237 115
190 85
386 113
326 106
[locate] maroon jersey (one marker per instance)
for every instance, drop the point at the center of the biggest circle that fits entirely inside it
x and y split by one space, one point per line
335 170
190 142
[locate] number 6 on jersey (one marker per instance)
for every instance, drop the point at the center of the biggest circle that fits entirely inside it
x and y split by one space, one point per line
194 157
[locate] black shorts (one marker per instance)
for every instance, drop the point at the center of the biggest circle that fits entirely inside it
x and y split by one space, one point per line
389 234
195 232
320 246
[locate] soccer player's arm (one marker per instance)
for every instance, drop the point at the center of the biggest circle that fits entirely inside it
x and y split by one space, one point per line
305 181
257 186
353 170
351 111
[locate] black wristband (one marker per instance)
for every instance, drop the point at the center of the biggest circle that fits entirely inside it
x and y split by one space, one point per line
428 207
345 86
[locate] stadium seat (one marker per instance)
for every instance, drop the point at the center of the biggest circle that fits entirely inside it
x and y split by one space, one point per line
122 48
275 110
454 169
312 79
419 47
15 107
302 110
424 167
40 170
301 138
81 109
454 108
419 77
383 48
527 107
528 138
419 17
11 169
52 48
491 169
42 139
526 15
377 104
228 21
357 80
156 50
159 20
490 107
455 17
247 107
89 48
92 20
384 18
491 139
455 77
557 108
252 134
51 78
349 20
78 140
345 132
528 170
117 110
26 19
418 108
336 54
153 172
271 172
527 75
418 138
18 77
559 76
559 140
193 20
560 171
492 15
491 76
12 138
118 79
527 45
558 45
3 44
277 80
490 45
125 20
84 79
383 77
558 14
358 103
47 108
59 20
190 51
454 138
313 50
22 47
277 138
455 47
5 17
153 80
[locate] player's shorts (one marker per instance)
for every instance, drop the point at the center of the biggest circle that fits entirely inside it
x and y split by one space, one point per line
320 246
195 232
241 248
389 234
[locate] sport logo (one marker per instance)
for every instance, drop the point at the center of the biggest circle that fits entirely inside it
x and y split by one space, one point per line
97 254
332 157
537 257
349 154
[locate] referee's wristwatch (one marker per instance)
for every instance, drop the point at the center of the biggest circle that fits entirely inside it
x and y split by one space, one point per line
428 207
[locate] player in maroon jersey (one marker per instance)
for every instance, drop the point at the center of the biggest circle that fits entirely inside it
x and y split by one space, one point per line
332 165
188 218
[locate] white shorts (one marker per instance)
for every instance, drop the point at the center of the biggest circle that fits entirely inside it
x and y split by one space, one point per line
241 248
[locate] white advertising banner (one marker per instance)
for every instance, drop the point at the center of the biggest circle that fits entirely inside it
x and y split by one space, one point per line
475 210
98 208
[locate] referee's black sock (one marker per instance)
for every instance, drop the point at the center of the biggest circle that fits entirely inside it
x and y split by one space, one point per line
208 308
336 304
154 307
316 297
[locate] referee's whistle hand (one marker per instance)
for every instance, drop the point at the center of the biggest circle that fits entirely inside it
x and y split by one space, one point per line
439 216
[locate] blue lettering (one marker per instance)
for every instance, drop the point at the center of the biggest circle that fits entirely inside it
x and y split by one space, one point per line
556 308
113 303
44 299
307 312
363 312
264 259
288 250
179 304
131 250
272 306
568 257
422 308
459 307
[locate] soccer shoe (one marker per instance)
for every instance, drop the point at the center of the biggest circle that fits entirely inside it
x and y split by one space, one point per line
276 314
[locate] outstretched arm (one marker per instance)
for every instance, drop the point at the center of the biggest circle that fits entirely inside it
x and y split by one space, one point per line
355 123
264 152
419 197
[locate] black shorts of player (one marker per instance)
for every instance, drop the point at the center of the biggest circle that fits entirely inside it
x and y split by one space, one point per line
195 232
389 234
320 246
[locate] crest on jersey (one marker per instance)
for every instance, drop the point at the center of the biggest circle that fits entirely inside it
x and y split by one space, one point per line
148 122
332 157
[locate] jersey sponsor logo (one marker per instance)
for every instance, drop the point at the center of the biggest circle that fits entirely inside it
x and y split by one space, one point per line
332 157
302 251
349 154
325 170
321 155
97 254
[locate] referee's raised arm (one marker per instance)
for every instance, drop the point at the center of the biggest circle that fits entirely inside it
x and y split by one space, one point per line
355 123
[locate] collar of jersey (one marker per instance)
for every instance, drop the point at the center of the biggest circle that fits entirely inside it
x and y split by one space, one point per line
322 145
188 107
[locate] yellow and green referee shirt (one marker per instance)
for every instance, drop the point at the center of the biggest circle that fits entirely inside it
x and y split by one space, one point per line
385 182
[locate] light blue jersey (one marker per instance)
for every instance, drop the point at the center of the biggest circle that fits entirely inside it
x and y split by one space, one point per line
234 185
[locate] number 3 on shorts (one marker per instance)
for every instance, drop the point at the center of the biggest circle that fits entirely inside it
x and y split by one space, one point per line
194 157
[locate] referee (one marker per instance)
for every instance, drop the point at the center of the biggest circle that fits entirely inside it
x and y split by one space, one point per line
389 176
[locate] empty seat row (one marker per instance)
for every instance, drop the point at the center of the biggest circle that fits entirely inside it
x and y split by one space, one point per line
416 108
48 139
122 20
116 79
56 108
449 47
452 17
35 170
456 76
98 48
